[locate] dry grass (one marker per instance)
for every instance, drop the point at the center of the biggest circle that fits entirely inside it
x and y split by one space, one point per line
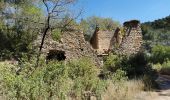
126 90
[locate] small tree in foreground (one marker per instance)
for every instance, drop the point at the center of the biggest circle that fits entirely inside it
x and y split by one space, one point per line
57 12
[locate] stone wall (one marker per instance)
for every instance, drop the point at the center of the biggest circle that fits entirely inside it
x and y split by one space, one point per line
116 39
127 42
94 41
72 44
132 40
102 41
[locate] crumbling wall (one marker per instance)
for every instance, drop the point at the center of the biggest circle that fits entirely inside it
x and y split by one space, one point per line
127 42
94 40
132 41
102 41
116 39
71 43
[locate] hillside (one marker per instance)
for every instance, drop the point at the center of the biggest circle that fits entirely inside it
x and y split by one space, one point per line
157 32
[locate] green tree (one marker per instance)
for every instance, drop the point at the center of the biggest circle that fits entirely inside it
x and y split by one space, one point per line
18 27
89 24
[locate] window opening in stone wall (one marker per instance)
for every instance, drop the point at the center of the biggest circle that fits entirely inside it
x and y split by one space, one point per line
56 55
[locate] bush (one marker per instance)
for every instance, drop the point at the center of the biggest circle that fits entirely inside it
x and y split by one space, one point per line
55 80
157 67
160 54
49 81
120 68
56 34
112 70
165 68
84 73
112 63
135 65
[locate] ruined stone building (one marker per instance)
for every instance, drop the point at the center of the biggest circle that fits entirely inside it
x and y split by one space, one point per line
127 42
72 45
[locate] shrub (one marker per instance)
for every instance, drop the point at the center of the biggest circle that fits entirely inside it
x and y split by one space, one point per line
119 76
160 54
49 81
112 63
157 67
165 68
55 80
118 68
56 34
84 73
134 65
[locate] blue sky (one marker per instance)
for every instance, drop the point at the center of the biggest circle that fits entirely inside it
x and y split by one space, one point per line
123 10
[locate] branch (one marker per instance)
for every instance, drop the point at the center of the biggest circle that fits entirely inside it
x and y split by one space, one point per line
55 6
56 14
48 10
72 19
65 3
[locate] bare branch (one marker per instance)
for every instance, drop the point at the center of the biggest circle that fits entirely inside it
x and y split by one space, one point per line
55 6
48 10
72 19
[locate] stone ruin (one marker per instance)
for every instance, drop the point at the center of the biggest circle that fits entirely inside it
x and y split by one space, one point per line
126 43
71 45
100 41
132 40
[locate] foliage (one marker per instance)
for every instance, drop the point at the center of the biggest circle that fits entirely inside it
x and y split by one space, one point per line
18 27
56 34
112 63
23 20
119 76
157 35
55 80
84 74
157 32
132 65
160 54
163 68
88 25
166 64
120 68
50 81
157 67
135 65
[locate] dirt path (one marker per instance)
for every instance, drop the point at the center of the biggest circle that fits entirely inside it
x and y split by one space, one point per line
162 94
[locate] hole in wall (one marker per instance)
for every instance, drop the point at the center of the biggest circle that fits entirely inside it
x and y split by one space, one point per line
56 55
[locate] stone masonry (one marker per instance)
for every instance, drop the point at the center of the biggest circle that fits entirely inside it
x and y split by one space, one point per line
132 40
72 44
101 40
126 43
